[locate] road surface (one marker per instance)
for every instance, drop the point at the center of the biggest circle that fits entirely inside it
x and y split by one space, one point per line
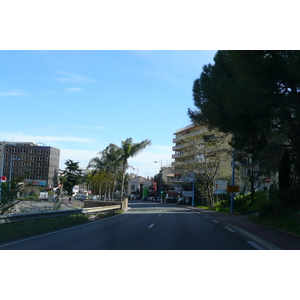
147 226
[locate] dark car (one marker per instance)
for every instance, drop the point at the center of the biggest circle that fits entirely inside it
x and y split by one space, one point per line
171 200
145 198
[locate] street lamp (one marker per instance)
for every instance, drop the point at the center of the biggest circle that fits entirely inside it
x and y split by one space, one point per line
137 179
160 183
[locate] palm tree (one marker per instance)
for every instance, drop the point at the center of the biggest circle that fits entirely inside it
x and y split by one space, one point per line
130 149
110 163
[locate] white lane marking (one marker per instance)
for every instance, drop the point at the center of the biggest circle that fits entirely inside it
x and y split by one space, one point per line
151 225
159 215
206 217
230 229
253 244
215 221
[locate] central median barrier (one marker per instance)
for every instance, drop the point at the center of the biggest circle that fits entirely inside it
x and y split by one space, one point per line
90 203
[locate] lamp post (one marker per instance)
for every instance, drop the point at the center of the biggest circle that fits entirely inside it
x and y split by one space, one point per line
160 182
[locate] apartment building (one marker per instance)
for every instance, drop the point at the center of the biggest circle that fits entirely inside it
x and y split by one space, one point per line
39 163
197 150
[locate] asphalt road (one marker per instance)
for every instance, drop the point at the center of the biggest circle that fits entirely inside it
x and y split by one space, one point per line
147 226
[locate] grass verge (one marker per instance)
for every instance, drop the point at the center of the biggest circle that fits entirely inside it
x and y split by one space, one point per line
16 231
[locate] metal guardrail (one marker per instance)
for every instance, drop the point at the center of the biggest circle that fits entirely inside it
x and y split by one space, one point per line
53 214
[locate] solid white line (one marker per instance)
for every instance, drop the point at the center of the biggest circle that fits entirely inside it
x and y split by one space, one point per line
255 245
151 225
230 229
215 221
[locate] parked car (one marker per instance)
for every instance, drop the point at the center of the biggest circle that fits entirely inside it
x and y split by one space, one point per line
145 198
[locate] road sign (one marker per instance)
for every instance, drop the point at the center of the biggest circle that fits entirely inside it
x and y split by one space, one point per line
220 186
3 178
267 182
233 188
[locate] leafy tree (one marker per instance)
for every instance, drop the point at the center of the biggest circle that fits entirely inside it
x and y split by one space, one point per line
72 176
110 164
254 95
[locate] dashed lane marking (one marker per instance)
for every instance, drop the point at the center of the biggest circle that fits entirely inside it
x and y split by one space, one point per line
230 229
151 225
253 244
215 221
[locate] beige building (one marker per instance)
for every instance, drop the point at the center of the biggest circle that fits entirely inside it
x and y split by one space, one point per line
198 150
137 184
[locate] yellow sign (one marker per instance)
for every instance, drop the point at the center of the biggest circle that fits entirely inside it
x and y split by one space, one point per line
233 188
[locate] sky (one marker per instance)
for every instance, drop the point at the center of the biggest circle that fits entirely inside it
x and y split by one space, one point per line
80 101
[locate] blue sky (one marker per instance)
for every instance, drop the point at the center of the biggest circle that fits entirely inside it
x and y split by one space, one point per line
80 101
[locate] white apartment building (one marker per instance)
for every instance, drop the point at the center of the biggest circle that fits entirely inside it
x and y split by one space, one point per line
193 154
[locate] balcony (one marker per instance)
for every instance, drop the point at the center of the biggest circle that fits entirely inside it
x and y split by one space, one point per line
188 135
177 147
176 155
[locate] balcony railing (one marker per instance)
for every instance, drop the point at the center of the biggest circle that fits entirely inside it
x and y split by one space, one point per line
188 135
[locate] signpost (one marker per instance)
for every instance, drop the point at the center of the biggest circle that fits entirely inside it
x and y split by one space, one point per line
233 189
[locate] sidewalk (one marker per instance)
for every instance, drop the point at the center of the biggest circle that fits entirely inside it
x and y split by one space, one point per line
270 238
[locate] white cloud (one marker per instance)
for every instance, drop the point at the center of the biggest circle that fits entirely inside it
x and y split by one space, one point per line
69 77
73 90
145 160
14 93
81 156
21 137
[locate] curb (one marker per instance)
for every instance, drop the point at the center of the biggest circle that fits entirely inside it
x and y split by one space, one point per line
259 240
